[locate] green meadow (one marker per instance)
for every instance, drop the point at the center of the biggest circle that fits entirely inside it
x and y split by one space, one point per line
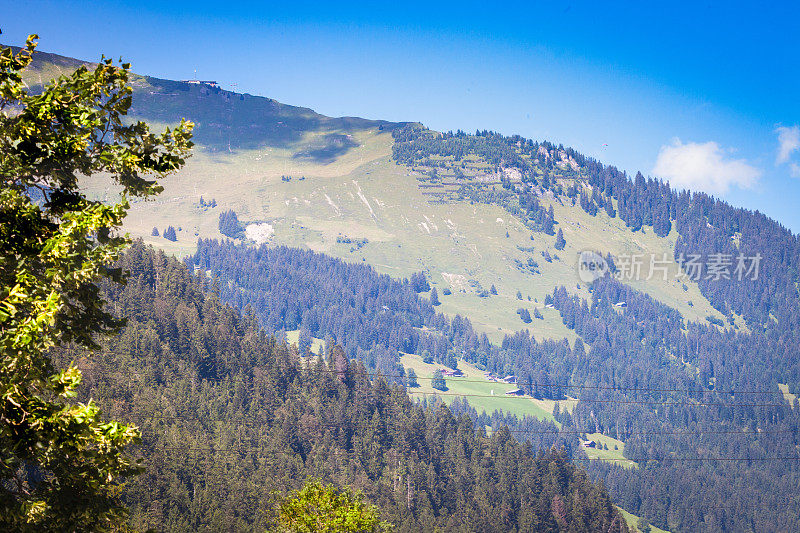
482 394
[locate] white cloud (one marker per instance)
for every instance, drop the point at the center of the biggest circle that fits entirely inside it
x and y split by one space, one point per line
703 167
794 169
788 142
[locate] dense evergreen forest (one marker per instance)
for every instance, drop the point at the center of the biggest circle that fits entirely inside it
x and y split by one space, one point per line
229 415
372 316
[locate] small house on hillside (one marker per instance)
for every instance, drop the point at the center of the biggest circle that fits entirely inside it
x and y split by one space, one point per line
588 444
511 380
515 392
452 373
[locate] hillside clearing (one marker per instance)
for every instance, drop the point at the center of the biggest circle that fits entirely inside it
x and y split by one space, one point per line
482 394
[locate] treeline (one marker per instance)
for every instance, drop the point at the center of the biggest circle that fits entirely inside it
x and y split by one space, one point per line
538 164
229 415
372 316
414 144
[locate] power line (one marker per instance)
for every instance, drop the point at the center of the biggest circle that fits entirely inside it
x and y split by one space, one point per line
639 402
356 425
581 387
348 453
374 375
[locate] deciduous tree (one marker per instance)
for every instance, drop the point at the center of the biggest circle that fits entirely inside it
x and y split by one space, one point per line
60 460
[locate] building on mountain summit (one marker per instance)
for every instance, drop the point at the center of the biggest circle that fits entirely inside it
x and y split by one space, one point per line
207 83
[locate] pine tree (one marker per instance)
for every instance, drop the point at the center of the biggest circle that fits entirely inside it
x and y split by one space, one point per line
170 234
154 233
419 283
435 297
412 378
560 241
304 340
229 224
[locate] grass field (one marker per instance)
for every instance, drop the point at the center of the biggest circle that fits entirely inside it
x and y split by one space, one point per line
488 396
611 455
632 520
482 394
788 396
364 195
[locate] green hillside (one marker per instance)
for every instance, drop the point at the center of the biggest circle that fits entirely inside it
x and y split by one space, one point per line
332 185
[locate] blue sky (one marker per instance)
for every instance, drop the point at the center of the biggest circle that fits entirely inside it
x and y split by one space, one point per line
702 93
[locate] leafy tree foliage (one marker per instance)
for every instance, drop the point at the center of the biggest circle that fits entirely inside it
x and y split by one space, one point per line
319 508
60 461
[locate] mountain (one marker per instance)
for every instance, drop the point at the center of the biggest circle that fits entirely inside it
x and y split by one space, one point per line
320 182
684 377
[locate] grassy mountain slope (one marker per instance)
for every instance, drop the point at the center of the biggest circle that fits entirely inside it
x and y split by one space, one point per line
347 197
364 207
